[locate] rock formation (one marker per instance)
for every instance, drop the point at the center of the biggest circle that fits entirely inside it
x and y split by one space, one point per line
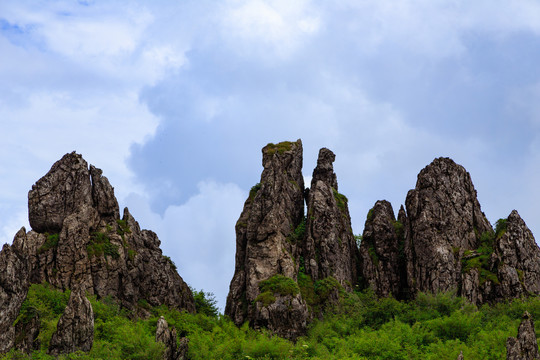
75 329
330 248
516 259
444 220
168 337
13 289
460 356
382 251
79 240
266 246
26 334
525 346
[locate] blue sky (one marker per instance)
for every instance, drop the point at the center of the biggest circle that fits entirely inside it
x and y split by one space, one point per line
175 99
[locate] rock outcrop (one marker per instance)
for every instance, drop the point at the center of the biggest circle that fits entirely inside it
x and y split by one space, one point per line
79 241
460 356
444 220
13 289
267 249
381 251
75 329
168 337
330 248
516 259
524 347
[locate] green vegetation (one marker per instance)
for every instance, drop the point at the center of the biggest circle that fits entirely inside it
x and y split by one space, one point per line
298 234
358 239
479 259
500 228
100 245
341 200
370 214
359 327
280 148
205 303
254 189
170 261
123 227
50 243
279 284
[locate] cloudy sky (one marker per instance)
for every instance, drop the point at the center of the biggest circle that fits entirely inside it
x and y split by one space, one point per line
175 99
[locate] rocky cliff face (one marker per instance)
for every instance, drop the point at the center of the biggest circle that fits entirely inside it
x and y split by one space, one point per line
266 246
444 220
78 241
13 289
330 248
382 251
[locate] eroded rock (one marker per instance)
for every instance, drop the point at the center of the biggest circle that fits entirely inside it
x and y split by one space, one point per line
330 248
382 250
444 219
75 329
265 243
167 336
13 289
524 347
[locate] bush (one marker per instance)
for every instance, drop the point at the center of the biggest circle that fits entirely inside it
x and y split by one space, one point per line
100 244
205 303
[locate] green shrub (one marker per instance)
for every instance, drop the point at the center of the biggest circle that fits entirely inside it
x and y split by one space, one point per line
50 243
280 285
100 245
205 303
254 189
280 148
170 261
500 227
341 200
123 227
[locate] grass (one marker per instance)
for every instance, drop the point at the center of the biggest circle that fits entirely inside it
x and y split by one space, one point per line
100 245
279 148
341 200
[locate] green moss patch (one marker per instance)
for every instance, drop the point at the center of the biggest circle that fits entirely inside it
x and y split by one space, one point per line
279 148
100 245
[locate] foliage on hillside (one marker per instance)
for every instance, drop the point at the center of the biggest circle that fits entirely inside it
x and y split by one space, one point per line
360 327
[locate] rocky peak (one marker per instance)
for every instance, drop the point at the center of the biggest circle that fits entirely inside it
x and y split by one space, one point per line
75 329
525 346
444 219
330 248
79 241
168 337
59 193
266 247
381 250
516 258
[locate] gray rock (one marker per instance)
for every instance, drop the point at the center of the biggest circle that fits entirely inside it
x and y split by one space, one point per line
13 289
460 356
516 260
75 329
59 193
26 334
103 194
168 337
330 248
444 219
381 250
83 244
265 245
525 346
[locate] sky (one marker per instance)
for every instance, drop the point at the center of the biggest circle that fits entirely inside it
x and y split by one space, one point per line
174 100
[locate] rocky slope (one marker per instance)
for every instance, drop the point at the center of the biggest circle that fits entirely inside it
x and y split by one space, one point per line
78 241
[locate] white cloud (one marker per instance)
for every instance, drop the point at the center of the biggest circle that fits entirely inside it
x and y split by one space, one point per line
269 28
199 234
